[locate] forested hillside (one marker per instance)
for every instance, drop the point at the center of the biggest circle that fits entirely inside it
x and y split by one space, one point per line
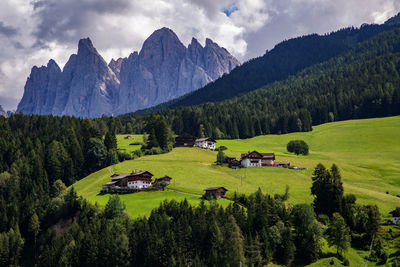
285 59
362 83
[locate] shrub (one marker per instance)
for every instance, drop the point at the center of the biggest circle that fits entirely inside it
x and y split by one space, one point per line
123 156
221 148
323 218
346 262
298 147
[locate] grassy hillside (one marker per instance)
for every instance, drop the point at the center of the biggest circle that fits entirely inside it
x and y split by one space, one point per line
131 144
367 152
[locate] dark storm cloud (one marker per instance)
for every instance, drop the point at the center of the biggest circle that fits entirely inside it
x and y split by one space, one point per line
64 20
7 30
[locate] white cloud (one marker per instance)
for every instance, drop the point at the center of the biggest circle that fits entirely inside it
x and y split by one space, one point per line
51 29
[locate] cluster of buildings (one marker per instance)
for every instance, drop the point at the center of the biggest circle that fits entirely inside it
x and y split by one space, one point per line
135 181
142 180
254 159
187 140
247 160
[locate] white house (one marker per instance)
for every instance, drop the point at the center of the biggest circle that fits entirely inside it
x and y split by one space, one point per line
206 143
255 159
134 180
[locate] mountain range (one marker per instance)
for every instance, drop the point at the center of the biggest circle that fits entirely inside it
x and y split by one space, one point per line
164 69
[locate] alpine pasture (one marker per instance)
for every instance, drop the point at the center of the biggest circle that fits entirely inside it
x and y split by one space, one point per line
366 151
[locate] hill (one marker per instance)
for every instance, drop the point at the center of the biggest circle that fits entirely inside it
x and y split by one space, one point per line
362 83
285 59
367 152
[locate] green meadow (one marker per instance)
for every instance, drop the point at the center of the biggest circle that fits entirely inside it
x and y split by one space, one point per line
366 151
129 145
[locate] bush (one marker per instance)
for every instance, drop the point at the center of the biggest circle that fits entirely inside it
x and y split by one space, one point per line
137 153
346 262
221 148
323 218
123 156
298 147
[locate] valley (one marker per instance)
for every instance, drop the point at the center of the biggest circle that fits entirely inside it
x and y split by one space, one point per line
366 151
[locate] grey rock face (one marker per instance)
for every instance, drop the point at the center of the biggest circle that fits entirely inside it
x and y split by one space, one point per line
115 66
87 87
40 90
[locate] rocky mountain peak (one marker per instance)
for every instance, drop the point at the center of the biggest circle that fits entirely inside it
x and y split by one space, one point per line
53 65
87 86
85 46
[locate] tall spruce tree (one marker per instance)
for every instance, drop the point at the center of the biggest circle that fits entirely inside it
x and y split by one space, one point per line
328 190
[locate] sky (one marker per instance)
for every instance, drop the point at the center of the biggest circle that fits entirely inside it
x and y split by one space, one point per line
33 32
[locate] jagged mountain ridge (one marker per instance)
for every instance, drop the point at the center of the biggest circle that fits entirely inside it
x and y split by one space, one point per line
87 86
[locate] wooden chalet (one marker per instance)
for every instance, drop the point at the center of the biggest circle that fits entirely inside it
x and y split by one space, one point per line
231 163
256 159
166 179
184 140
206 143
135 180
215 193
282 164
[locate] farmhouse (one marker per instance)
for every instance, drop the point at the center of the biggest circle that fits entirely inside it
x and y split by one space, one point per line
135 180
207 143
166 179
255 159
231 163
184 140
215 193
281 164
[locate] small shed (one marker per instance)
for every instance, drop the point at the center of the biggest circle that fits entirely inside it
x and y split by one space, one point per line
166 179
215 193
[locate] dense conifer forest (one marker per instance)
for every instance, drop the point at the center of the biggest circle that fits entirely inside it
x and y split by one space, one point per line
362 83
285 59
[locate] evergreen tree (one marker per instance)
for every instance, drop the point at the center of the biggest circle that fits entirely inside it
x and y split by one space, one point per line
110 141
96 154
308 232
328 190
114 207
220 157
338 234
57 188
234 244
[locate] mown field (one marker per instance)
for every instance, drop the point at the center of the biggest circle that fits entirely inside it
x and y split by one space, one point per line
366 151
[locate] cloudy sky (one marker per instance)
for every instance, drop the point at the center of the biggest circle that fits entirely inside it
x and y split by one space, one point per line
34 31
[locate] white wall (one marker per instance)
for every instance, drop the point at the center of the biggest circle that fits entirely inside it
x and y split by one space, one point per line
139 184
206 145
246 163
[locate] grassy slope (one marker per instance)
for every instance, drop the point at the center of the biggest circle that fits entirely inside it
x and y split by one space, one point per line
124 145
367 152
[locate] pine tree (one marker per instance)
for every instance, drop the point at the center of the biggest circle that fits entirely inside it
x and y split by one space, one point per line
220 157
234 247
110 141
338 234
